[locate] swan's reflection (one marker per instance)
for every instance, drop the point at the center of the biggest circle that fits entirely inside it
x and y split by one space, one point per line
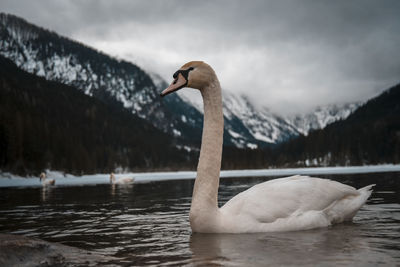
344 244
123 190
112 189
46 192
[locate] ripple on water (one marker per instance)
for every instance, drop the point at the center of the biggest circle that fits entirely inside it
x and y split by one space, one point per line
148 224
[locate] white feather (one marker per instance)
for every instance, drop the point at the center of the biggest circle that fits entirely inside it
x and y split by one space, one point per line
292 203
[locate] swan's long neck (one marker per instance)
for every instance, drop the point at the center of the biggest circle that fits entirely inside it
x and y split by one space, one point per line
205 192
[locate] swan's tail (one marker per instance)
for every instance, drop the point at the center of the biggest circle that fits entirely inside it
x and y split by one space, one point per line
346 208
359 201
365 193
366 190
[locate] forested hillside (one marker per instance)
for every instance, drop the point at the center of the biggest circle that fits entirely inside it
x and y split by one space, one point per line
50 125
47 124
118 82
370 135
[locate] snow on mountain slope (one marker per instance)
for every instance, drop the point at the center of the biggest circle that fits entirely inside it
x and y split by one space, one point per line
259 123
46 54
268 127
245 125
116 82
251 126
321 117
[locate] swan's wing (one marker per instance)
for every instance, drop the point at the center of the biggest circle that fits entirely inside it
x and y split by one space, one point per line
283 197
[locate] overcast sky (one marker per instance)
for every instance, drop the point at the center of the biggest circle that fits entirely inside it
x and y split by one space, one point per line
288 55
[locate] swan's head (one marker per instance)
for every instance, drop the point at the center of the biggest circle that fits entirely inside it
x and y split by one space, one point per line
42 176
194 74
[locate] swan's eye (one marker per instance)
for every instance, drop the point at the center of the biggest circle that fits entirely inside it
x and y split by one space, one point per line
185 74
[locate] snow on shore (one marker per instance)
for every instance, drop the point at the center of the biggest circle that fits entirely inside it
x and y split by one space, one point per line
10 180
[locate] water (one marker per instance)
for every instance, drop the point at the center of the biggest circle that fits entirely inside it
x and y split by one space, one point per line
148 224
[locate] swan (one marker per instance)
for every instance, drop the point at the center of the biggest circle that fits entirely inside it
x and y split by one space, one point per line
123 180
284 204
46 181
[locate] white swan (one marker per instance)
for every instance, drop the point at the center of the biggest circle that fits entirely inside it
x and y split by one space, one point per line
123 180
286 204
46 181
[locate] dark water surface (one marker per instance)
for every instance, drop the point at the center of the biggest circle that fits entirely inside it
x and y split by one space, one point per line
148 224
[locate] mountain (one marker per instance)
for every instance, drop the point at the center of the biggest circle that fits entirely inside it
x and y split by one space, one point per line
115 82
370 135
51 125
247 126
123 84
321 117
251 126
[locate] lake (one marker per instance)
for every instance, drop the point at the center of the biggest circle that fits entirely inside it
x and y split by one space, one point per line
147 224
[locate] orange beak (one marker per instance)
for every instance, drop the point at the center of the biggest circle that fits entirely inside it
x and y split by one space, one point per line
177 84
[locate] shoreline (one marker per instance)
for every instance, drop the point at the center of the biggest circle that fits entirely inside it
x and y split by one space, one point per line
9 180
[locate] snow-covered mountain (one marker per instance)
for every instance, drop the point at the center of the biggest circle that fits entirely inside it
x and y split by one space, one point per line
322 116
263 126
116 82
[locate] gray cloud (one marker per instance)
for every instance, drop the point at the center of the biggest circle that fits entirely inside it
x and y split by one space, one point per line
287 55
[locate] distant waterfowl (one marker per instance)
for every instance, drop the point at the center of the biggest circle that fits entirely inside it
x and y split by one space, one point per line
285 204
46 181
122 180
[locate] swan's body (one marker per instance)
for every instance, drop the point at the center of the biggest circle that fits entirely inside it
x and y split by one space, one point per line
285 204
125 180
46 181
122 180
288 204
